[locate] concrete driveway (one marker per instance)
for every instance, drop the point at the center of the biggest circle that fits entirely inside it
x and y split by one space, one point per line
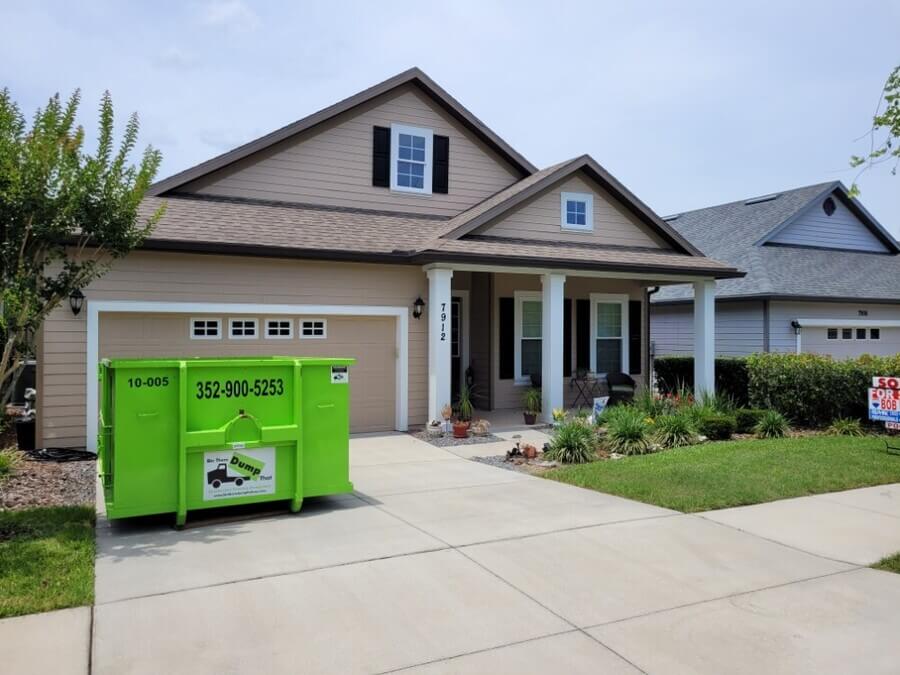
442 565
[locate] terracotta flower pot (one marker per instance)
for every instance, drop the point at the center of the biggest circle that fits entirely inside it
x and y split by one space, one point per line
529 451
460 430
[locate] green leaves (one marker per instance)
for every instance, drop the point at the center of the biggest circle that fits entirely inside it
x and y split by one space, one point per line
65 213
884 136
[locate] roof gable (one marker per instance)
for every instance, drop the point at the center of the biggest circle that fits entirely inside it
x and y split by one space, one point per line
849 227
518 194
413 76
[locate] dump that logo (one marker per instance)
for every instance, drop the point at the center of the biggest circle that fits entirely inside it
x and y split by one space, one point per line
229 474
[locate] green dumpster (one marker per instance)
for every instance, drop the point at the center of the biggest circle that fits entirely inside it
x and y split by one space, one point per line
183 434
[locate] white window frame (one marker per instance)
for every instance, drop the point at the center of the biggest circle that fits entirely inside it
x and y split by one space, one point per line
865 332
205 320
519 298
290 327
324 334
609 298
244 320
876 339
396 130
837 335
588 200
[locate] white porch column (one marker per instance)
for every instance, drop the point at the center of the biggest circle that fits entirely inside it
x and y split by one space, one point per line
438 341
551 343
705 337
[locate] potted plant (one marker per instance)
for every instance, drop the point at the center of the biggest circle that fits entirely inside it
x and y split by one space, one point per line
434 428
532 401
464 413
480 427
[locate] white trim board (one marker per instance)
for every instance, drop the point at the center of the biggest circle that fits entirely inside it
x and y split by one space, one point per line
96 307
848 323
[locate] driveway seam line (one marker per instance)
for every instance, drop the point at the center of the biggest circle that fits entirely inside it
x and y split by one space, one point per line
780 543
277 575
444 489
824 498
723 597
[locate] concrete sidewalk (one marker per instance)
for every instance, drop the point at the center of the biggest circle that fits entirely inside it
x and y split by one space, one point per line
442 565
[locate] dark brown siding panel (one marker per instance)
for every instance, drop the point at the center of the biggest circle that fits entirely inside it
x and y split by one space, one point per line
507 338
381 156
567 337
583 334
440 177
635 330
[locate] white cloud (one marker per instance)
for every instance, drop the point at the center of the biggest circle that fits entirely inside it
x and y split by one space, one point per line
175 58
233 14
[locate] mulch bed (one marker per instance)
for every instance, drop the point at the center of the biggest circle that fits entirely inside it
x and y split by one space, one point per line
448 441
46 483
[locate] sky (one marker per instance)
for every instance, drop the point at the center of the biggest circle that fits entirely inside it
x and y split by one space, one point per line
689 104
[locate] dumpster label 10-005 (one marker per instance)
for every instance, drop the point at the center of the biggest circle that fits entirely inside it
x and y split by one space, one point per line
238 473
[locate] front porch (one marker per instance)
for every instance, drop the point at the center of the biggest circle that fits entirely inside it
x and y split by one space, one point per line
501 331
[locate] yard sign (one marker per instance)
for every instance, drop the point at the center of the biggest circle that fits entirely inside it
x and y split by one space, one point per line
884 401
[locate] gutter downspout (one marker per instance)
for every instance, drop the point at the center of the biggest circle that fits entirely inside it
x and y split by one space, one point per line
649 352
766 337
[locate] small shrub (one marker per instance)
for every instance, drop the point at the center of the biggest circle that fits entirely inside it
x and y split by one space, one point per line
531 399
716 426
573 442
772 425
627 430
675 431
9 460
846 426
676 372
746 419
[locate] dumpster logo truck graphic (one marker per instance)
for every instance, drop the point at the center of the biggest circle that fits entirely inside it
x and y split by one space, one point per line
238 473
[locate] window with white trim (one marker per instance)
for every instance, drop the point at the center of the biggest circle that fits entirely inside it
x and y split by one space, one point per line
861 333
411 159
279 329
832 334
610 333
313 328
577 211
243 329
206 329
874 333
528 316
853 333
846 333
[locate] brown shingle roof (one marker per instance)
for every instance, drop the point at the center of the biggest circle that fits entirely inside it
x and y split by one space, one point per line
277 229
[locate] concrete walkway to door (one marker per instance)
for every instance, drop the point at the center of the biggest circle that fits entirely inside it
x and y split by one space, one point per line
443 565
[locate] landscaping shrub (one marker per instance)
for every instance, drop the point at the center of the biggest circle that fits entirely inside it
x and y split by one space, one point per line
675 431
746 419
716 426
675 372
573 442
846 426
627 430
811 389
772 425
9 459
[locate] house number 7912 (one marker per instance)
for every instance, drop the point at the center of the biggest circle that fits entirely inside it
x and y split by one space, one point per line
443 322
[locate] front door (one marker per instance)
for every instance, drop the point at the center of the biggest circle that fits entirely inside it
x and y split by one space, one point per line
455 346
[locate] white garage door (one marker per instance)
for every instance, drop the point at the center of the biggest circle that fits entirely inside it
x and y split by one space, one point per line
370 340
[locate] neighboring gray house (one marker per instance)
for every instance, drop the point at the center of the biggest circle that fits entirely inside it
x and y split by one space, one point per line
823 276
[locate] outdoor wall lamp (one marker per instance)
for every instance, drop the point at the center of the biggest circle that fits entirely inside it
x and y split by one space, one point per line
796 326
418 306
76 300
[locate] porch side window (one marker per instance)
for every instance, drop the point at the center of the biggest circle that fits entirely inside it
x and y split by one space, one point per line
610 353
529 325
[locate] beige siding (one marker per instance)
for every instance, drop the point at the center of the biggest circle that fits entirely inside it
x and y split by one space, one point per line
507 394
175 277
540 219
369 340
332 164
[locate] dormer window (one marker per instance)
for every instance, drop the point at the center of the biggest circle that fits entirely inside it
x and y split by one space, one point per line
577 211
411 159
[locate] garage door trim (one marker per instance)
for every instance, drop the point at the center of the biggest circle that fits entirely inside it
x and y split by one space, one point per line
97 307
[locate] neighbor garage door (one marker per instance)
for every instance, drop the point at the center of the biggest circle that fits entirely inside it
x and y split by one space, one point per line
370 340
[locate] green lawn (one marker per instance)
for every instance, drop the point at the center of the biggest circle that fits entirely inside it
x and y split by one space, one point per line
46 559
733 473
889 564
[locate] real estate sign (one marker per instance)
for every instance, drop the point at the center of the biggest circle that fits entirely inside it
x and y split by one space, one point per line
884 402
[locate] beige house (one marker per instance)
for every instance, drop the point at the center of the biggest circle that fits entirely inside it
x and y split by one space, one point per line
396 228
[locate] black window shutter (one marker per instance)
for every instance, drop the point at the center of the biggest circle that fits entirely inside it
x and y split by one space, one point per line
567 337
635 330
583 334
440 175
507 338
381 156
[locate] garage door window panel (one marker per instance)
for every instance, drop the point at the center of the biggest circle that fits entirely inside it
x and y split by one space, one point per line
279 329
243 329
206 329
313 329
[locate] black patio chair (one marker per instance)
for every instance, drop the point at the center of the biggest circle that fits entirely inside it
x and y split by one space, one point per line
621 388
